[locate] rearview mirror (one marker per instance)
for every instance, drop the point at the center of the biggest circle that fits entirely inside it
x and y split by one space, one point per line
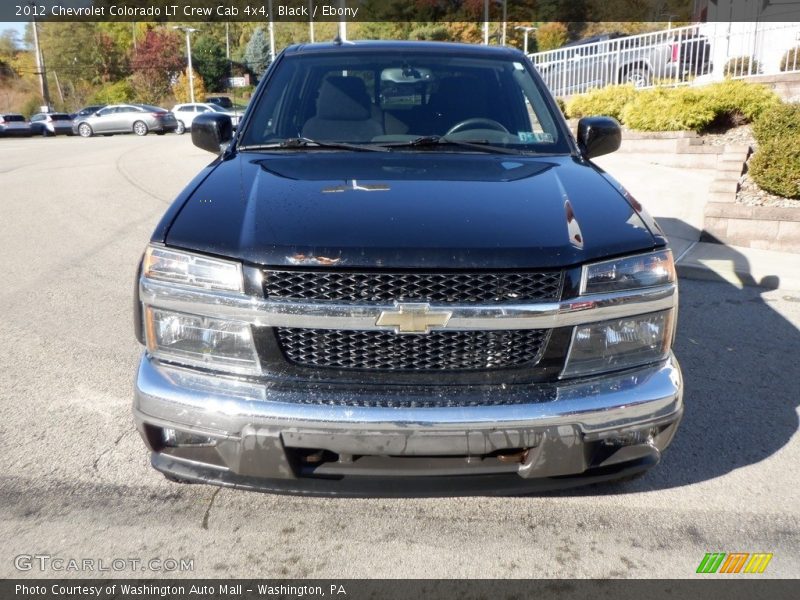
212 131
598 136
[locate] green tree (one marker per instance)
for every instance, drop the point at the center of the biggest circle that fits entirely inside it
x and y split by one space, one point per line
208 59
256 54
551 35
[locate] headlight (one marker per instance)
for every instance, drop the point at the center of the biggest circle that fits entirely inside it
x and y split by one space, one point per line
201 341
630 273
192 269
619 344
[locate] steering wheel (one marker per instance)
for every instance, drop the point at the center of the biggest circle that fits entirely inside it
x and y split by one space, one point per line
471 123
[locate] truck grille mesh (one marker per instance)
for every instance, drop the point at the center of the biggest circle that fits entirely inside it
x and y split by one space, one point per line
457 287
435 351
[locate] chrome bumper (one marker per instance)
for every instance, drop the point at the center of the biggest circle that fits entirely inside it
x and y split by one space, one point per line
559 427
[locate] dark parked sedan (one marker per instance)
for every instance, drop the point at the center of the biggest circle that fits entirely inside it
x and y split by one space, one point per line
48 124
126 118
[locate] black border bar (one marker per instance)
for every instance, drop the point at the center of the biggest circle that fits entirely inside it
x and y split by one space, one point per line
735 587
476 11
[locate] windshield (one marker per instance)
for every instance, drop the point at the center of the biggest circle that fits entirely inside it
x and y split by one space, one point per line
396 98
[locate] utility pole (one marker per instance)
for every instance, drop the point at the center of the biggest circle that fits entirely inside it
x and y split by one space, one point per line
227 40
342 25
505 18
40 65
271 28
311 20
189 31
485 22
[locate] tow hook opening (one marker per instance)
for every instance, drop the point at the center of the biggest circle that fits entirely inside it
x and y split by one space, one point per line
513 455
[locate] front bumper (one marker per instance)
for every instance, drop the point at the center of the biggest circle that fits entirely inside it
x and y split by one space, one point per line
304 438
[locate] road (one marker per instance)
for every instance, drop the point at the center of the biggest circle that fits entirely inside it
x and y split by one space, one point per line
76 483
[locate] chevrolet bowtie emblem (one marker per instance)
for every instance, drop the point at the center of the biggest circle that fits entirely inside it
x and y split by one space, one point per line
413 318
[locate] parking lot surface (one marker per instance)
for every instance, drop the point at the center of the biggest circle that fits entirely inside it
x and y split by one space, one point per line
76 483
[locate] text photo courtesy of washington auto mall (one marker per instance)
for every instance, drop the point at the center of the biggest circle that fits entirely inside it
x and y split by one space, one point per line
399 299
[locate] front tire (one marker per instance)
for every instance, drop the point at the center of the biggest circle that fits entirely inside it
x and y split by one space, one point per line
140 128
181 128
85 130
640 78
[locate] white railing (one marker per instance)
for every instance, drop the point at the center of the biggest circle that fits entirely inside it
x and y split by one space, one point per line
678 56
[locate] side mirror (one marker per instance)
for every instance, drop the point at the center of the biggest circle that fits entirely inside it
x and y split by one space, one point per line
211 131
598 136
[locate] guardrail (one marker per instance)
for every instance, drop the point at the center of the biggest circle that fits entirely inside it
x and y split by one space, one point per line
678 56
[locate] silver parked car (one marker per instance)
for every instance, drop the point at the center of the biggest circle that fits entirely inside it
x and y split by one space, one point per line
126 118
48 124
185 114
14 124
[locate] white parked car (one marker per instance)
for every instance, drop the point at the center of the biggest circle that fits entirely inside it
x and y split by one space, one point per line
185 113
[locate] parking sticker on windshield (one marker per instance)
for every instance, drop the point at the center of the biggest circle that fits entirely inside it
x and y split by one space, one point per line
530 137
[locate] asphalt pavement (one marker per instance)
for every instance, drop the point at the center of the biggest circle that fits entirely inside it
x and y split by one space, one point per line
76 483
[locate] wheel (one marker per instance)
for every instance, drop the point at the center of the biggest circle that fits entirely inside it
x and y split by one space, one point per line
140 128
85 130
638 77
472 124
181 128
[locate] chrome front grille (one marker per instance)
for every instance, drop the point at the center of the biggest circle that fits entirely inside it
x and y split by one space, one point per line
435 351
388 287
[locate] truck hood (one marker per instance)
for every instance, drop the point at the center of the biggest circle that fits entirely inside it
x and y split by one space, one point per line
408 209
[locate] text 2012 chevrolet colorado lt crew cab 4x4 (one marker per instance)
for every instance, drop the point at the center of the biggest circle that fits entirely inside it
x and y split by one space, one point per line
403 275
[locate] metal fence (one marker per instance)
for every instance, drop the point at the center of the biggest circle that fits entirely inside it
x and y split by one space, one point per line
678 56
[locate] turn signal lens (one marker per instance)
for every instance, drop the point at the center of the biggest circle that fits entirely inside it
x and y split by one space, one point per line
630 273
192 269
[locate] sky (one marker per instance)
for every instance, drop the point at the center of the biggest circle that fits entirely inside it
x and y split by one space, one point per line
19 27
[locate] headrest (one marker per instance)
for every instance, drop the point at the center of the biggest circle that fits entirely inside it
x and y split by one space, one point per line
343 99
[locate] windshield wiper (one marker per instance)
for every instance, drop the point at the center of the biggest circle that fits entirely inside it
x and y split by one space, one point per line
303 142
441 140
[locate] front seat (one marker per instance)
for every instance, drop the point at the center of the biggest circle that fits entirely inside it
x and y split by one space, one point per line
344 112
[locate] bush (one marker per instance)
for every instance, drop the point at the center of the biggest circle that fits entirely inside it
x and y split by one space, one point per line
742 65
791 60
775 167
609 101
780 121
732 102
736 102
669 109
114 93
562 106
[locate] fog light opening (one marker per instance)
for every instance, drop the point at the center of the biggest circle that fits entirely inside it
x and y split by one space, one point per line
636 437
175 438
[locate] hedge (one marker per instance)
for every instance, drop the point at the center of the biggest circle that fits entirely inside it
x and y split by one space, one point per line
731 102
775 166
608 101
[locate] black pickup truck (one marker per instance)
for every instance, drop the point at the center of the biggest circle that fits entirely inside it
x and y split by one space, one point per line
403 275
